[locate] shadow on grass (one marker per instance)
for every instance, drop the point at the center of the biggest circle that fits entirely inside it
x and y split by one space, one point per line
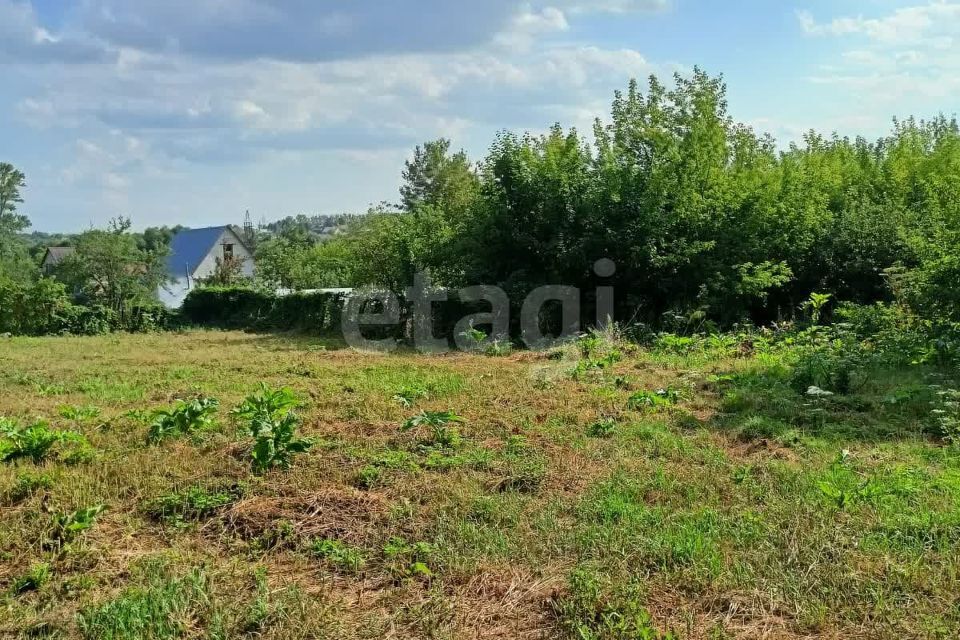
885 404
277 341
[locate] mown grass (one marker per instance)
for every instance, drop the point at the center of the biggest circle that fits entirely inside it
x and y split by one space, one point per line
646 494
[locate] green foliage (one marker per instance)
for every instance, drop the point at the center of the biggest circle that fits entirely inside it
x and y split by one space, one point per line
111 269
589 614
273 425
15 263
844 487
340 556
79 414
816 305
408 395
946 415
27 484
186 418
246 308
405 560
440 435
836 364
191 505
37 441
603 428
160 610
653 399
32 579
67 526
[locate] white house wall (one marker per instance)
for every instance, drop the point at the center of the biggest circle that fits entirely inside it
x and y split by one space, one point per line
208 265
173 293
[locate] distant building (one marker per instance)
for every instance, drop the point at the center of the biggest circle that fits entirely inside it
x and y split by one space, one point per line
53 257
193 256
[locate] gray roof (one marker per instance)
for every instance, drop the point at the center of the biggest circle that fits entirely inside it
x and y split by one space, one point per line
55 255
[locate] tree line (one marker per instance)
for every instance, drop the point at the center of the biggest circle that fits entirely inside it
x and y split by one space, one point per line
698 212
700 215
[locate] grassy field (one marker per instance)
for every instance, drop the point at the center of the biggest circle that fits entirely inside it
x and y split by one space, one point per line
572 501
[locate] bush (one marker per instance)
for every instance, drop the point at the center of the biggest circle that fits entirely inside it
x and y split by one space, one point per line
246 308
838 365
273 425
184 419
37 441
36 309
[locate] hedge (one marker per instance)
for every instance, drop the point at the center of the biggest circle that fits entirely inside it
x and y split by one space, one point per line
250 309
316 313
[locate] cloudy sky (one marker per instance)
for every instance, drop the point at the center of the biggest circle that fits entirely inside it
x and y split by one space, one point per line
192 111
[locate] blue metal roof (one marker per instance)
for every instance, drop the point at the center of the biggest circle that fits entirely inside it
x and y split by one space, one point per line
188 249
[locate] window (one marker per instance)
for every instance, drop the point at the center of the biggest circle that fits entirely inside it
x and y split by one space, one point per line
228 252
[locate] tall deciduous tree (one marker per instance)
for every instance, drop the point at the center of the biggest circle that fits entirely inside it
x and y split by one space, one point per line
111 269
15 263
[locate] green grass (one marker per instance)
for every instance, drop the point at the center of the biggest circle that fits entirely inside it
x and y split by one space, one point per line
573 500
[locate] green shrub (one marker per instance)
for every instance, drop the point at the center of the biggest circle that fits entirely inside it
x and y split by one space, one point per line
246 308
37 441
440 435
67 526
838 365
602 428
186 418
273 425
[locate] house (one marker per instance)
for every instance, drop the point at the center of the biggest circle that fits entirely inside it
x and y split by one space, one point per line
53 256
194 254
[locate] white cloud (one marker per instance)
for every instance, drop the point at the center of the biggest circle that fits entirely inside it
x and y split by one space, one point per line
893 59
939 20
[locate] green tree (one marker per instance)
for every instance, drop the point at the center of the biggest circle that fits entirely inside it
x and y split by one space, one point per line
109 268
438 178
15 263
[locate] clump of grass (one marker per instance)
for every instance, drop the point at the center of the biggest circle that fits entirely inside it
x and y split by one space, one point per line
273 425
339 555
603 428
32 580
190 505
27 484
521 467
406 560
185 418
37 441
588 613
162 609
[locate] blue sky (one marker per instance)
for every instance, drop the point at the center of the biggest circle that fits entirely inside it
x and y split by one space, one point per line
193 111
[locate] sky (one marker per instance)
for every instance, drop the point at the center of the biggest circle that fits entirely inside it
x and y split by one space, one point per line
194 111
